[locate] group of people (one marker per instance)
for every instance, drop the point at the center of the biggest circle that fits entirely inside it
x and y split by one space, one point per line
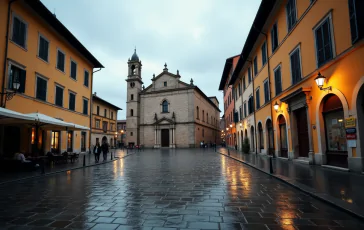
104 148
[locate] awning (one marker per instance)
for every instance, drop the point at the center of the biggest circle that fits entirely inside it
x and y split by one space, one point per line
9 117
6 114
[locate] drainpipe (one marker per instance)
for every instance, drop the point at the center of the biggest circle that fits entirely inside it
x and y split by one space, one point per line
269 83
91 108
6 52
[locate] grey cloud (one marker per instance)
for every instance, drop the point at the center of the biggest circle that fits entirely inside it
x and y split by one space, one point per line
193 36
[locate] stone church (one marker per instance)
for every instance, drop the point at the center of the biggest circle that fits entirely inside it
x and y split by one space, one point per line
169 112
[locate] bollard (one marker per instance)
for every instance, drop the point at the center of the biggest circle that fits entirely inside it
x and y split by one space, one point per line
84 160
270 165
111 155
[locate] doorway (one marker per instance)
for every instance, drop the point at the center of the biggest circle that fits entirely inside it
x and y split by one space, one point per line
83 141
70 141
302 132
55 142
270 138
165 137
11 142
283 136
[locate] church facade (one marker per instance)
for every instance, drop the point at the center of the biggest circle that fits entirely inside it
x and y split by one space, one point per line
169 112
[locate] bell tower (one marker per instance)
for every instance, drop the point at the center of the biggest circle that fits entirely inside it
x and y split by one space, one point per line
134 86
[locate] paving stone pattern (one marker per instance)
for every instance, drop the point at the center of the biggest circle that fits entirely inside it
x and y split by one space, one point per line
165 190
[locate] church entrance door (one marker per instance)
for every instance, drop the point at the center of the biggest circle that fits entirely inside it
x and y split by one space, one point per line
165 137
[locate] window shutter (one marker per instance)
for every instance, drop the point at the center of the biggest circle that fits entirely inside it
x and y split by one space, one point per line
353 21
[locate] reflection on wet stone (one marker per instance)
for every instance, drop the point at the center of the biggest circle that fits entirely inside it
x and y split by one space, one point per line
162 190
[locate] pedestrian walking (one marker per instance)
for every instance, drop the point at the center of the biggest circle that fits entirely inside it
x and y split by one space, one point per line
105 150
97 152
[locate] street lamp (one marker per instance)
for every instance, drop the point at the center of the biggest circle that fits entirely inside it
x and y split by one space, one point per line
10 95
276 107
320 80
231 125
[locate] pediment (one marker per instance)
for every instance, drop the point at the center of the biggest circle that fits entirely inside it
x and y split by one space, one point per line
164 121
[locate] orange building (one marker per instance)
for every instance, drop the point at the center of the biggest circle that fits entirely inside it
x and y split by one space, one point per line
229 106
104 124
55 73
308 77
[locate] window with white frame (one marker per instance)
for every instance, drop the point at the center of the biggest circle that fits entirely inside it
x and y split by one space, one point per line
72 101
43 48
19 74
60 60
291 14
86 78
295 59
324 41
85 106
165 106
264 53
59 96
278 80
73 73
19 31
266 91
41 88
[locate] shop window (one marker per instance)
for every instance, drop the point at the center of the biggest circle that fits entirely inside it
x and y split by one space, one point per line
69 141
83 141
334 124
55 142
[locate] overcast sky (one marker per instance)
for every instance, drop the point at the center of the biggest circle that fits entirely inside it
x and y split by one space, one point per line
193 36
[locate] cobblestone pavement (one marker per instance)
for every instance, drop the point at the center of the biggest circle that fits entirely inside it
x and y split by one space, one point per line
164 190
342 188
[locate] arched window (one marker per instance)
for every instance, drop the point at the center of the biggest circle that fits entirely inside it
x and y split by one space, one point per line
165 106
131 112
198 112
203 115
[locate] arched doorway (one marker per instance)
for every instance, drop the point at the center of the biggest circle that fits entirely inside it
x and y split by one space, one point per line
335 135
238 140
252 146
260 137
283 142
234 143
104 139
270 137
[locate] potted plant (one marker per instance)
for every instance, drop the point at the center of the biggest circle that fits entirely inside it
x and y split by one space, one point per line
246 145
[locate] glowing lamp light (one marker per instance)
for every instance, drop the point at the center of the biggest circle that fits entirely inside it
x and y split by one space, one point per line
320 80
276 106
241 124
231 125
227 129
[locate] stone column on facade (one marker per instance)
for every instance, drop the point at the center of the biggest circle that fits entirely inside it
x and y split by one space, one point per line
310 153
174 137
289 135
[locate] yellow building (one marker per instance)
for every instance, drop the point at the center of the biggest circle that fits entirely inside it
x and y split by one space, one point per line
55 73
104 125
308 76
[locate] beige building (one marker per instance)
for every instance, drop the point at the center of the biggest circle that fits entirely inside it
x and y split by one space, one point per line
169 112
104 115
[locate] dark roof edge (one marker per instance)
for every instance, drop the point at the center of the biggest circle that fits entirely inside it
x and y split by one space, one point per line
225 73
265 8
215 98
49 18
102 100
206 98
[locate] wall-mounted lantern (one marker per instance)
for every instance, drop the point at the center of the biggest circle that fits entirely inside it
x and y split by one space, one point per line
320 80
276 108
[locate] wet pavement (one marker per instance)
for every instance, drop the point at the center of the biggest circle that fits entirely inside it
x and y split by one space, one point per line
165 190
342 188
52 168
